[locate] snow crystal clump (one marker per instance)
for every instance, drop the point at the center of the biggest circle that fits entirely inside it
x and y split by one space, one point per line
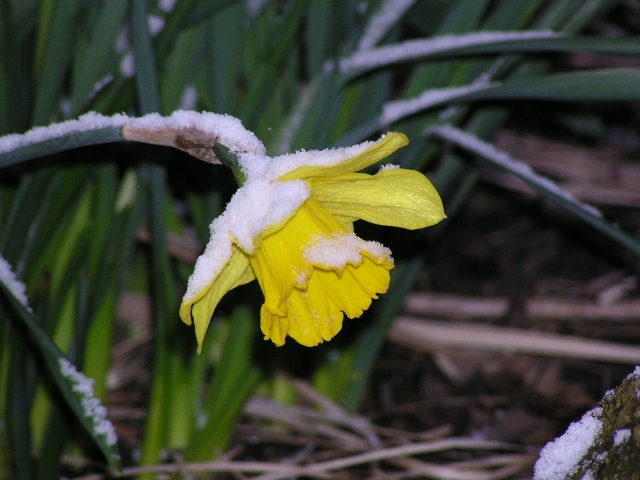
167 6
83 386
388 166
560 458
398 109
432 47
189 98
621 436
337 251
15 286
155 24
127 66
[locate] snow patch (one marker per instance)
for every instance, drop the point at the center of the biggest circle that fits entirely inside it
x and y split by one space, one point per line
155 25
256 206
414 49
340 250
15 286
88 121
127 66
388 166
621 436
122 44
398 109
254 7
189 98
83 386
273 168
167 6
226 129
560 458
100 84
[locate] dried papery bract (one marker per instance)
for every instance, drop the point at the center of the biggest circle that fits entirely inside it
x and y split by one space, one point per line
194 133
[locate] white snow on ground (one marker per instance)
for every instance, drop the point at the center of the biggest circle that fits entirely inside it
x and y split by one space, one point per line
621 436
560 458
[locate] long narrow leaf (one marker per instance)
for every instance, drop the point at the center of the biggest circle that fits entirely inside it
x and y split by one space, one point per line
615 84
41 141
541 184
55 42
485 43
234 380
76 389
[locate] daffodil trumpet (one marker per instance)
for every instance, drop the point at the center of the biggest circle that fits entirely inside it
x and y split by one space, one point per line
290 226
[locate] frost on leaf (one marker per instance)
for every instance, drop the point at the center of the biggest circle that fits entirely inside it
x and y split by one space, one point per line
97 413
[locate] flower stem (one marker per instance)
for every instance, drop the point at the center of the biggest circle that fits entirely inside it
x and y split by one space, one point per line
231 160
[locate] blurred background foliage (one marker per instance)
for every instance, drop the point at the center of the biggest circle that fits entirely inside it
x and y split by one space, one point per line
106 236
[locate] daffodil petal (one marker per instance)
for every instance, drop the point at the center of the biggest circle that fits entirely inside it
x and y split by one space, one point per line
315 314
381 149
274 327
313 317
358 285
346 223
278 262
235 273
399 198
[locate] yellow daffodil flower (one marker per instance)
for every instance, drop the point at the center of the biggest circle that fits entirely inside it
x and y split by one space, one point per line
290 226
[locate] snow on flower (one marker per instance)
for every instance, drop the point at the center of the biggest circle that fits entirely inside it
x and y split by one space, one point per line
290 226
